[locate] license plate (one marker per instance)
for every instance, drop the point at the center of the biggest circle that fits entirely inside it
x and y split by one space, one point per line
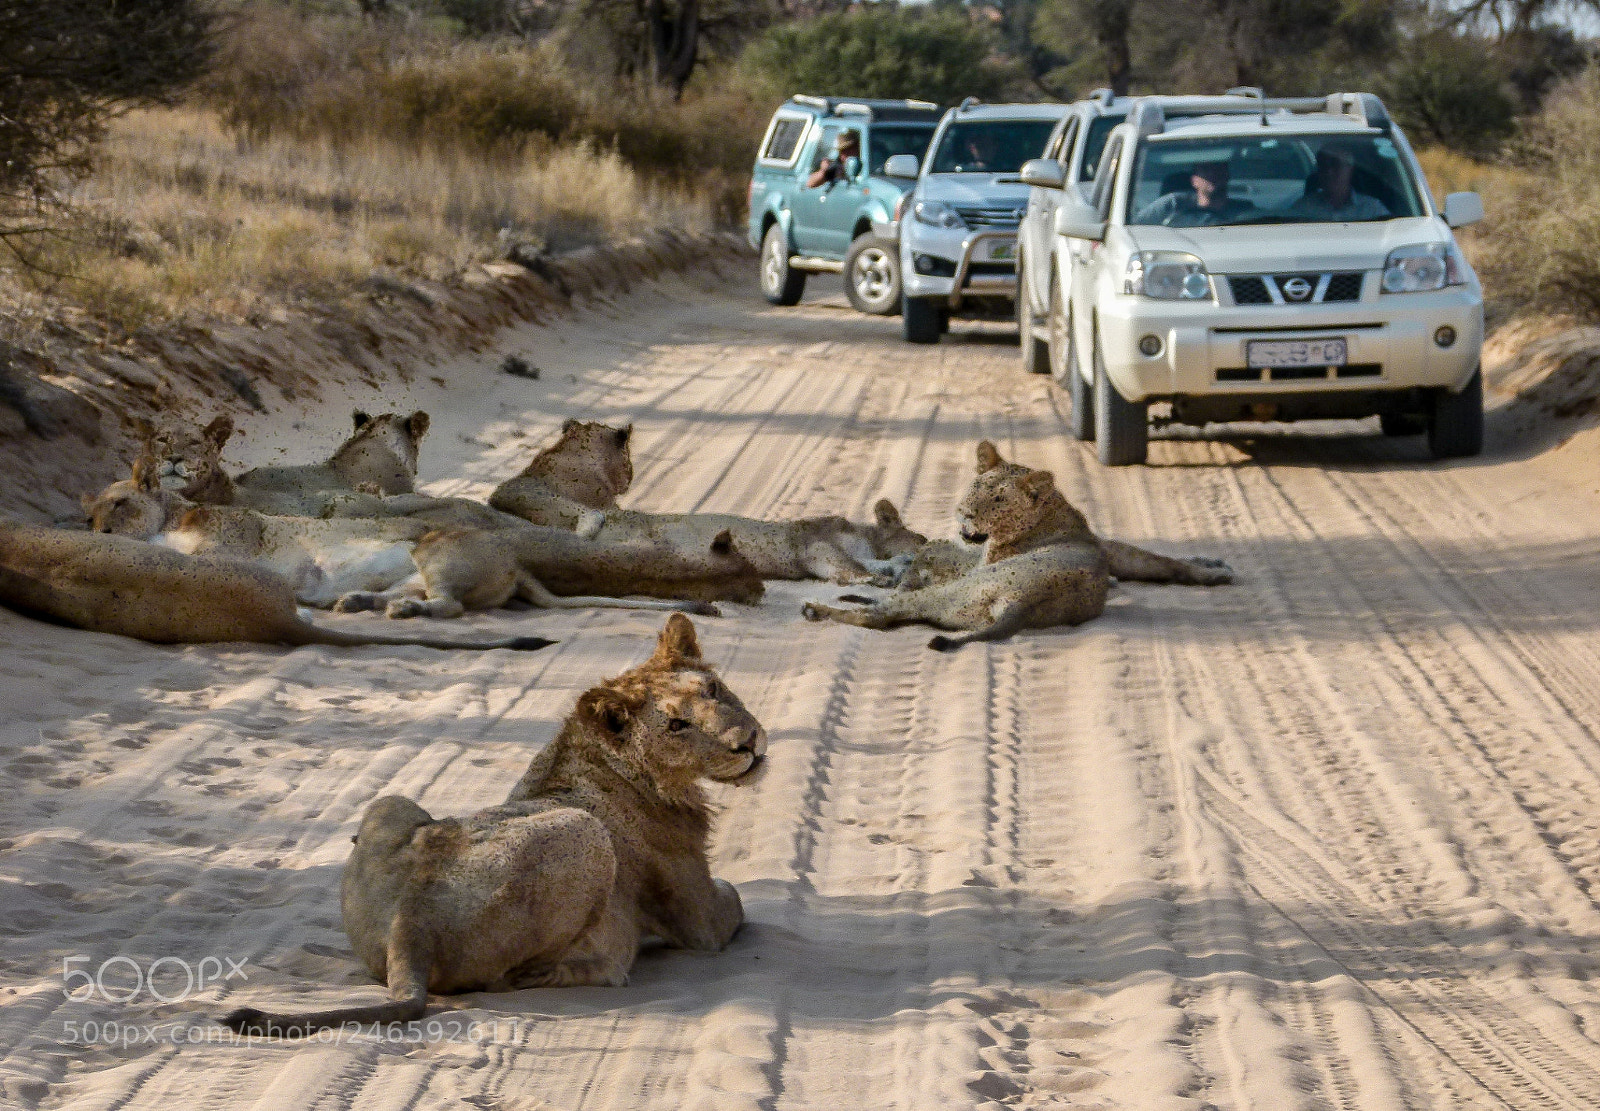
1296 352
997 250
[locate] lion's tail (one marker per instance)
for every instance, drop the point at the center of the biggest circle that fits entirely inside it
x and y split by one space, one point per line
306 632
408 969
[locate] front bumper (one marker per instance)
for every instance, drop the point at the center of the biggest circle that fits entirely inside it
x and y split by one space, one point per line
1390 340
957 247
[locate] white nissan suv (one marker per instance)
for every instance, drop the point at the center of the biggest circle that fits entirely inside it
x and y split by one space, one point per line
1281 260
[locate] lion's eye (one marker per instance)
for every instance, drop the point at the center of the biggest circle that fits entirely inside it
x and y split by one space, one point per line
677 725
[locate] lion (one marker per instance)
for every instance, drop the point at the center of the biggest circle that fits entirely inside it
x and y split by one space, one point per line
601 844
569 483
113 584
1041 565
379 458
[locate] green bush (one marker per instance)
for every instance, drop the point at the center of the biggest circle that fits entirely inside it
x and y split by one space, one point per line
882 50
1446 88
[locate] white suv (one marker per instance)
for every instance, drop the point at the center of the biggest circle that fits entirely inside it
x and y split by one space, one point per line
1280 260
958 224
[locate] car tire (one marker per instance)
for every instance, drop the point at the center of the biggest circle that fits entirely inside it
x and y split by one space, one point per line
1455 425
1121 427
920 319
1064 367
872 275
1403 424
1035 348
781 283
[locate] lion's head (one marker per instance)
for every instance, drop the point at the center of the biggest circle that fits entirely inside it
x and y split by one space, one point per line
188 460
1007 500
889 535
382 454
135 507
592 463
673 721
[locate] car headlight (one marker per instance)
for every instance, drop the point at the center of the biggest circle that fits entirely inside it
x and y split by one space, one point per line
938 214
1167 276
1422 267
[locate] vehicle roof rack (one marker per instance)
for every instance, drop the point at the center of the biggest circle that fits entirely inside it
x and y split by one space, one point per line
1149 114
868 107
969 102
1104 97
1362 107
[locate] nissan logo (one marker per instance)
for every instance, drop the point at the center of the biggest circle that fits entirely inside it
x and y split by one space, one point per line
1297 289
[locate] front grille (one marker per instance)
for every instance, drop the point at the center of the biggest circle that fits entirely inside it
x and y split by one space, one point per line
1297 373
1344 287
1275 289
1250 291
989 269
991 217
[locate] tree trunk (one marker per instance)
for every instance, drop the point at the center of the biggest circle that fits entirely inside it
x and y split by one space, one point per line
674 42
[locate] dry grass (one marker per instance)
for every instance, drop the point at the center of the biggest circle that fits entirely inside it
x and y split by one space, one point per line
182 218
1451 172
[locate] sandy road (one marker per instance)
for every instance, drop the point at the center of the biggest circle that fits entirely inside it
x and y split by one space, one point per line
1325 839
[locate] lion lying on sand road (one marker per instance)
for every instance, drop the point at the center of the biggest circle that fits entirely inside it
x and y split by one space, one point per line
1041 565
111 584
602 843
574 484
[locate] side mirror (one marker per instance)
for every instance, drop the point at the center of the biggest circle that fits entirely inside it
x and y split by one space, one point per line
1461 209
1046 173
852 168
901 166
1077 220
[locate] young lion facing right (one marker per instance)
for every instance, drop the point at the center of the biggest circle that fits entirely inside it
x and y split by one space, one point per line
1041 565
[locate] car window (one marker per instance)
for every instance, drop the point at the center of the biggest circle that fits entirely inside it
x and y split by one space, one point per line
990 146
1094 143
1105 178
885 142
1061 149
785 137
1275 179
825 145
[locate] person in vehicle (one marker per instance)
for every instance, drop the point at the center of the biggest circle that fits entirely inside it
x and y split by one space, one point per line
1330 193
979 154
833 169
1206 201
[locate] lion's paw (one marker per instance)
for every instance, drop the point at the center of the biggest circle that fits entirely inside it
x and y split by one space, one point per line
355 603
1211 572
407 607
810 612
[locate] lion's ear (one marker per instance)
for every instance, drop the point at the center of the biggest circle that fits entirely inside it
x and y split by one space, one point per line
886 514
417 424
677 642
219 430
361 419
624 434
144 475
606 708
988 457
570 425
1038 483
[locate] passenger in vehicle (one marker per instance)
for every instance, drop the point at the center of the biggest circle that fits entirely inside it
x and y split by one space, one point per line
1330 194
1206 201
834 169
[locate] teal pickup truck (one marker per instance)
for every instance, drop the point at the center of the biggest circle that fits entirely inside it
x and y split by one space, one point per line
847 223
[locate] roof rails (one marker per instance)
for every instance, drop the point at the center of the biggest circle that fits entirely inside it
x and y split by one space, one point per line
869 108
969 102
1104 97
1149 117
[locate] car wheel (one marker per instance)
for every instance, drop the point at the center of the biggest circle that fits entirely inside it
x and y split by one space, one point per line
1403 424
1035 348
1064 367
1455 426
781 283
1121 427
920 319
872 275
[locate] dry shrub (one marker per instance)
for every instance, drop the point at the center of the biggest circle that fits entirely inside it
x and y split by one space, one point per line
1537 249
182 217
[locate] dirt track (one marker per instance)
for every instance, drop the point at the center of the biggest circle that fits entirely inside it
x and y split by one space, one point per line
1327 838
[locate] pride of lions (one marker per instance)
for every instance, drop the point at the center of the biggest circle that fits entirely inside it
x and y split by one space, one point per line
604 841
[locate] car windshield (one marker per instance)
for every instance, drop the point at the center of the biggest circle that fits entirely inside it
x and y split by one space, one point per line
886 142
1094 144
990 146
1275 179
